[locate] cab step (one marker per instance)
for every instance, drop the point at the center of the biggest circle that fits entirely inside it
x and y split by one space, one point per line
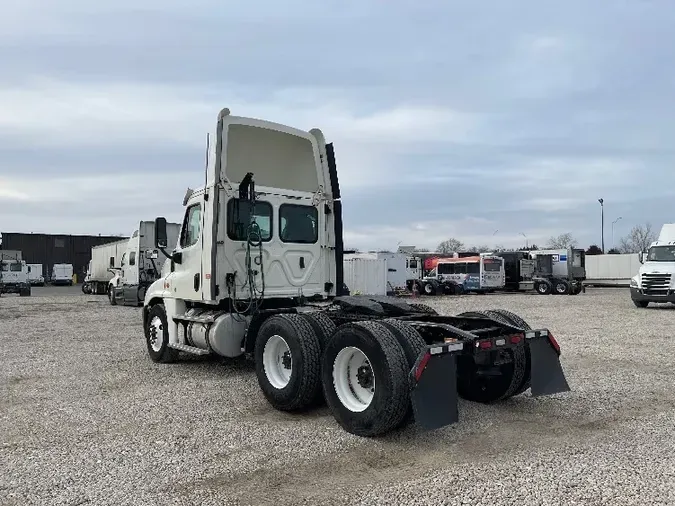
189 349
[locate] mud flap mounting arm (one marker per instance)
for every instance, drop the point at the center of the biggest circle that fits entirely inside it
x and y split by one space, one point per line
547 374
433 383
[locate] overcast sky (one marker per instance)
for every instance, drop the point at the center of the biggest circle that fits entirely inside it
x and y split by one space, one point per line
477 120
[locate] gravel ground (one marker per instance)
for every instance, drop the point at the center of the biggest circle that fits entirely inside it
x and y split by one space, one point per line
87 418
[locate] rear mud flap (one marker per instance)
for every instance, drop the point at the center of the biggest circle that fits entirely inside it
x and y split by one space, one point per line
547 374
434 394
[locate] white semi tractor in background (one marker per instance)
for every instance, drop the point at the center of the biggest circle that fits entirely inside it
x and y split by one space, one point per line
655 281
141 264
14 277
105 263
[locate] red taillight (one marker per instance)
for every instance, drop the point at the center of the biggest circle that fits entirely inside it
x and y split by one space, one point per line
554 343
516 339
423 364
484 345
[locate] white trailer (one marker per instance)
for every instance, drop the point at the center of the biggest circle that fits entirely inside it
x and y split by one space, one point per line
35 276
106 260
394 266
261 247
140 265
62 274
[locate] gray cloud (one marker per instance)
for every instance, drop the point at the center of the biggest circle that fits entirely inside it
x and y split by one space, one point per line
448 118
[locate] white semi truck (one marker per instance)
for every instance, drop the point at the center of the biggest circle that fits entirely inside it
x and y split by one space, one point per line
105 263
655 281
14 277
140 265
257 271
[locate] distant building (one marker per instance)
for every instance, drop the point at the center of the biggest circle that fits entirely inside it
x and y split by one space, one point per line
47 249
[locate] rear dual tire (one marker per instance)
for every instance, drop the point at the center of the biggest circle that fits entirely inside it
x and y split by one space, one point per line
515 375
365 378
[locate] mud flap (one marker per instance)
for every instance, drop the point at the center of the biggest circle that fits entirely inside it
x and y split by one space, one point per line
547 374
434 387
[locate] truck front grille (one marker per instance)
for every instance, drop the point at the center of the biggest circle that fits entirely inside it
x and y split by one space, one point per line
656 284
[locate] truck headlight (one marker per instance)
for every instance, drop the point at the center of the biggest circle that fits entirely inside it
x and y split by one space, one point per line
634 283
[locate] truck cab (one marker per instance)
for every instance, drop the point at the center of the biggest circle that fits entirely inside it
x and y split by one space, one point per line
264 233
655 280
14 277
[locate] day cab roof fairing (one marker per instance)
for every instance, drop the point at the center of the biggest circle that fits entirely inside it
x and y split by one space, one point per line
286 159
279 156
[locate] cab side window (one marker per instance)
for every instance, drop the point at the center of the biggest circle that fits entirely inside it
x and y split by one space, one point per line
191 226
132 258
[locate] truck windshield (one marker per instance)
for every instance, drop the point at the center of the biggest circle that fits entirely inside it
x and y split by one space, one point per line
15 267
661 254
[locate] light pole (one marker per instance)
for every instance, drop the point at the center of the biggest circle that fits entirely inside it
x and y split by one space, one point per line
527 246
613 231
602 221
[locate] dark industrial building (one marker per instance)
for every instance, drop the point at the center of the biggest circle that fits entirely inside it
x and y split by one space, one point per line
47 249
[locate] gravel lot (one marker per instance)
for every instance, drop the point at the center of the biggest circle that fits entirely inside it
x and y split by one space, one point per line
87 418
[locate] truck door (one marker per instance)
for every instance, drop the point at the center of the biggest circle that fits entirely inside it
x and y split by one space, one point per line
186 279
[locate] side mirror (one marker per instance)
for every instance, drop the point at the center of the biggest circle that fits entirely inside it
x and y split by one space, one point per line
161 240
28 269
112 262
641 257
151 254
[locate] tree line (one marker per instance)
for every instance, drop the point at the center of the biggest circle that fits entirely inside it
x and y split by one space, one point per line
638 239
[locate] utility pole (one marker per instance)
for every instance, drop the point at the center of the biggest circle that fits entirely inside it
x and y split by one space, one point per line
527 245
602 221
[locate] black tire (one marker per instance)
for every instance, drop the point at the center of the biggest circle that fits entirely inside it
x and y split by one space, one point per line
304 384
389 367
517 321
412 344
428 289
543 287
641 303
322 325
111 295
561 287
164 354
141 295
422 308
474 387
85 288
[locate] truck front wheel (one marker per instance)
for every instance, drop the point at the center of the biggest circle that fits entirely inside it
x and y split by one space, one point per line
641 303
365 379
287 362
157 336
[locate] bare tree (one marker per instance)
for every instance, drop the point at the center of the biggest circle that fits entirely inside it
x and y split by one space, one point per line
479 249
450 246
562 241
639 239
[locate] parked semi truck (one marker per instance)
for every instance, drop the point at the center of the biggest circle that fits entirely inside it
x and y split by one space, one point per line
553 271
261 246
655 281
559 271
140 265
14 277
105 263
